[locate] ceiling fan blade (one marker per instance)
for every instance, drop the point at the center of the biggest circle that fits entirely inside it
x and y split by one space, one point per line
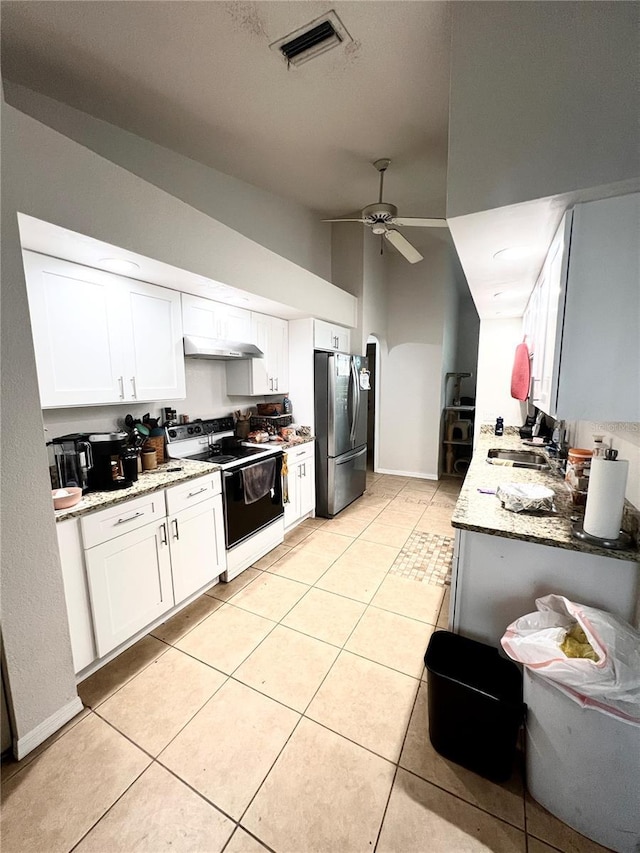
403 246
342 220
412 221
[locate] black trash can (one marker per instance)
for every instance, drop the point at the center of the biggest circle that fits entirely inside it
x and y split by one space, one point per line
475 704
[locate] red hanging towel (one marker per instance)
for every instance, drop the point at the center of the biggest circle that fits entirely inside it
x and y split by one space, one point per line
521 373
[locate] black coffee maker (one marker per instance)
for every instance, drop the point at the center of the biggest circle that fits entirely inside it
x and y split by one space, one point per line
107 450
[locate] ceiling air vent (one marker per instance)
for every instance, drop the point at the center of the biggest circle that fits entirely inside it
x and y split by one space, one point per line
311 40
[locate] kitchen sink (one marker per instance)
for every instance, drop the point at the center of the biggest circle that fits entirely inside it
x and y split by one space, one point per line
518 459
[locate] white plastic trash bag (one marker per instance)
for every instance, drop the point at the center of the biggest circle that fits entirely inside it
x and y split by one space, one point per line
611 684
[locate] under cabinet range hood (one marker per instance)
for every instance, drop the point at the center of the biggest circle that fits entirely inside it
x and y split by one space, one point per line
196 347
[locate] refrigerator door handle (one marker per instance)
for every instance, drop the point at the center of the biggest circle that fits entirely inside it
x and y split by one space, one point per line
355 400
331 376
347 457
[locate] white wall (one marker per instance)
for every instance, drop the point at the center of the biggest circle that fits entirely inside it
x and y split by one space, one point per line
625 438
374 291
66 184
206 383
347 268
544 100
496 350
289 229
412 361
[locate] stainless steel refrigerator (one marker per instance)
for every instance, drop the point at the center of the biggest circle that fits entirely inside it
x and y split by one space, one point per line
341 392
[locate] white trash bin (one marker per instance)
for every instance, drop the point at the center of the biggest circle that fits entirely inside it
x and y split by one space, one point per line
583 765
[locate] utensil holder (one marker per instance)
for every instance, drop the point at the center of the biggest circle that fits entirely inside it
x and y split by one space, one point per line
157 443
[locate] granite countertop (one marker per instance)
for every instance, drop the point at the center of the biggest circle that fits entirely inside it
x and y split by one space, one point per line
148 481
160 478
483 513
283 445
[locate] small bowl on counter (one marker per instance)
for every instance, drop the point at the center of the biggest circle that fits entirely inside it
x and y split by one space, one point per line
66 497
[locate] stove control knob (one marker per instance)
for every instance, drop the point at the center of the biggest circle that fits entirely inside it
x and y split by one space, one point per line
189 430
197 430
172 433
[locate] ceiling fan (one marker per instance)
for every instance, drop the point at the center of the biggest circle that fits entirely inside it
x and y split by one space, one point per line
380 216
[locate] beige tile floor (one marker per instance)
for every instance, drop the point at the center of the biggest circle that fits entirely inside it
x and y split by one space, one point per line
285 711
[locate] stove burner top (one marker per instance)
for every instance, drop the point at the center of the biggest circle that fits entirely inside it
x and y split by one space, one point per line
219 458
196 441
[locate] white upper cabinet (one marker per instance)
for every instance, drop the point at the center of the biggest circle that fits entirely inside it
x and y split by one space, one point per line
208 319
101 338
328 336
268 375
76 333
153 346
586 342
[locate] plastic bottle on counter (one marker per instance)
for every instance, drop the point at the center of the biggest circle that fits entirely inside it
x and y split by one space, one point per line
499 429
599 447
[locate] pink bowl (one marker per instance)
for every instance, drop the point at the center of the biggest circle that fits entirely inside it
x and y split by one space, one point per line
69 500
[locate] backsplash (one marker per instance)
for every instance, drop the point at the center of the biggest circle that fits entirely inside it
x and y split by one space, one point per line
206 383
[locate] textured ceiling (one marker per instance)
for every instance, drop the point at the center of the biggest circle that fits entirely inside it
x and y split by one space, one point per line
199 78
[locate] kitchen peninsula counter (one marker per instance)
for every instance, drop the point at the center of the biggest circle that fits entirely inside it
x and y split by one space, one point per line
148 481
483 513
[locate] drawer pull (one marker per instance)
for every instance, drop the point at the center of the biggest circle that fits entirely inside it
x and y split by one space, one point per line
131 517
301 453
198 492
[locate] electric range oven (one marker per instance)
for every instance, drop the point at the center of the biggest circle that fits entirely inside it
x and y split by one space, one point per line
245 517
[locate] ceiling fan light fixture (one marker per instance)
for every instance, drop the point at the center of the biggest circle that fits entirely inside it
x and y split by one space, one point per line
119 265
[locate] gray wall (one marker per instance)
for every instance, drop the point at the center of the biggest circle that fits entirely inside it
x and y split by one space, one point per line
545 99
289 229
419 343
467 347
37 648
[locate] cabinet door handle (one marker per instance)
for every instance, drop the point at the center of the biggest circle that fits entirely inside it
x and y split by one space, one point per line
163 533
134 390
175 524
121 383
131 517
304 469
277 382
197 492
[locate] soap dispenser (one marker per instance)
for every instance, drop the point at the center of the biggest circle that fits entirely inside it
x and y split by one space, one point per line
499 429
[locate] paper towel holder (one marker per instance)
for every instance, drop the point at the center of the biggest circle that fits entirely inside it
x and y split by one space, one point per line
623 541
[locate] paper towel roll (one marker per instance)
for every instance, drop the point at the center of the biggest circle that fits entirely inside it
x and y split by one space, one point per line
605 498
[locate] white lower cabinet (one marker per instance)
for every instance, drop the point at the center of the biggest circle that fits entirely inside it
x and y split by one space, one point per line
196 537
496 580
127 566
301 481
129 584
76 593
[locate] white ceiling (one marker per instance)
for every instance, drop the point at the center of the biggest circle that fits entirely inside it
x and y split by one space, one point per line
199 78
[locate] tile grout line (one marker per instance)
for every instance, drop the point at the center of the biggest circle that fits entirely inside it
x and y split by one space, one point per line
395 772
106 698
